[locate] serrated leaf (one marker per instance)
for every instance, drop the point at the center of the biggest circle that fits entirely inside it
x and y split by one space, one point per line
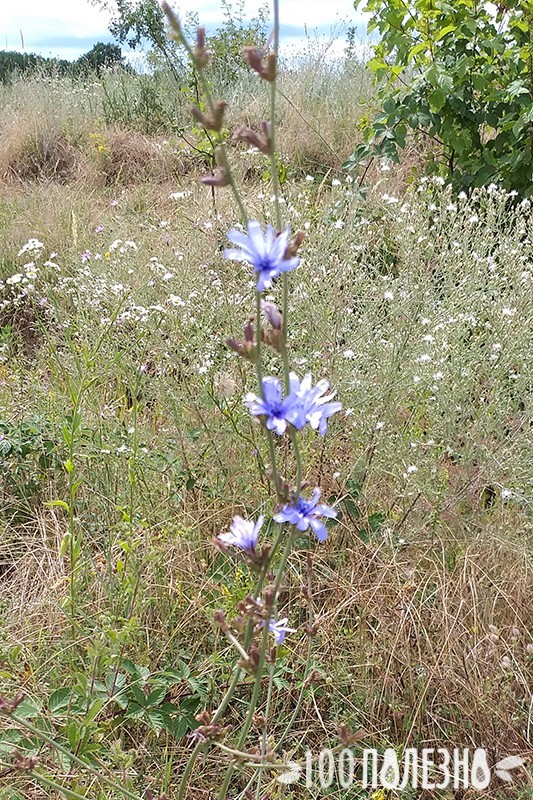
59 700
28 708
156 696
135 711
157 721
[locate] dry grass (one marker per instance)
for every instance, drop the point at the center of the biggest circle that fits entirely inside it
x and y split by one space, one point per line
422 595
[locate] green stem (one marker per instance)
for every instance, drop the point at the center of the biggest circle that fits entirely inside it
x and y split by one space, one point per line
231 688
259 673
212 107
259 372
273 88
307 669
48 739
265 727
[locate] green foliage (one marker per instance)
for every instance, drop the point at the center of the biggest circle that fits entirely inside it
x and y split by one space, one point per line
101 56
235 33
462 76
14 63
28 451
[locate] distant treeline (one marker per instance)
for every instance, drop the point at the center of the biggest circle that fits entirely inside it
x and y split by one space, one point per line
100 56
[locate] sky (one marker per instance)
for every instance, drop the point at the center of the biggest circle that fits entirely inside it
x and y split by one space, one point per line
68 28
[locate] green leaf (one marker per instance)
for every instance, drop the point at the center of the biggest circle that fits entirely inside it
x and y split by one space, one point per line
156 696
437 100
59 701
28 709
444 32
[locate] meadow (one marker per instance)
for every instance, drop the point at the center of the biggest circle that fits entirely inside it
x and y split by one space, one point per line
126 447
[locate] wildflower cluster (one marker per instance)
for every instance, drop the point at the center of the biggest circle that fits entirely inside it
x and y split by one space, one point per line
284 405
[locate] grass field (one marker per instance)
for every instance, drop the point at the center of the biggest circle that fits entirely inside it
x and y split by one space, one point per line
125 445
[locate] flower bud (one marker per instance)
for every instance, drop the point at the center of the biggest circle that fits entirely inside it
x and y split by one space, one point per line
244 134
211 122
294 246
201 56
173 21
273 314
254 58
217 180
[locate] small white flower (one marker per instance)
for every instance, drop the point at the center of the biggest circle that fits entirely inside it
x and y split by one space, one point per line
309 178
388 296
411 469
340 224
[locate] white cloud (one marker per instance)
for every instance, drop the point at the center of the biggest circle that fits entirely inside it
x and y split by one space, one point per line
67 28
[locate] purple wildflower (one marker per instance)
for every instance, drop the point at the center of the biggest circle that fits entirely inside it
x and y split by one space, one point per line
280 629
86 256
273 314
243 533
277 411
311 405
265 252
99 228
304 514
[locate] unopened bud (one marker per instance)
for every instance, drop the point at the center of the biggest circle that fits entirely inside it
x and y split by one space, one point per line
259 720
274 338
294 246
249 335
217 180
246 350
201 56
273 314
211 122
220 619
254 58
244 134
270 596
173 21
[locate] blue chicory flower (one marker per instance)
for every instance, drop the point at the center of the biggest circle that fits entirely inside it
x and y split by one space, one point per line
310 404
243 533
265 252
279 629
304 514
277 410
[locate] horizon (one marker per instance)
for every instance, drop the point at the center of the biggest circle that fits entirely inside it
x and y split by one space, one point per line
56 34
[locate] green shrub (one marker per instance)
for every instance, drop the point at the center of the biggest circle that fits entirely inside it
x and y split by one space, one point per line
462 75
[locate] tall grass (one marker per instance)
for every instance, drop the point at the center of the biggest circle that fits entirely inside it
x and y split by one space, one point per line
125 445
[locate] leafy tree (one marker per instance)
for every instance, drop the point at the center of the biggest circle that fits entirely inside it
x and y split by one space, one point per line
15 63
137 21
461 73
101 55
